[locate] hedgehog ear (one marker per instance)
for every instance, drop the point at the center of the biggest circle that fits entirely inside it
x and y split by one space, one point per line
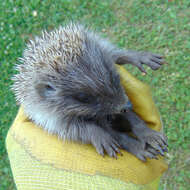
45 90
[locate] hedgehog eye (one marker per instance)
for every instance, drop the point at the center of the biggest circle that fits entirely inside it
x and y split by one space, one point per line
45 90
49 88
84 98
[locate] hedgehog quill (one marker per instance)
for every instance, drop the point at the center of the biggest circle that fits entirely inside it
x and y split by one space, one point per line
68 84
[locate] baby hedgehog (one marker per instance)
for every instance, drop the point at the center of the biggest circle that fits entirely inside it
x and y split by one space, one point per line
68 85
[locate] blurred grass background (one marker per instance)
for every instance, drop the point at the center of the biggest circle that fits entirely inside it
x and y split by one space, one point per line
158 26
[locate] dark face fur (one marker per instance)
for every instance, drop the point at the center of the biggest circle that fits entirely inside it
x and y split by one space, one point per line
89 87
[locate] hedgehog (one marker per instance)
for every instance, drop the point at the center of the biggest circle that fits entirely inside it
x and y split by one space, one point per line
68 84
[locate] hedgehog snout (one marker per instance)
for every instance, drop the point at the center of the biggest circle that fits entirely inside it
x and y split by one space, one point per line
126 107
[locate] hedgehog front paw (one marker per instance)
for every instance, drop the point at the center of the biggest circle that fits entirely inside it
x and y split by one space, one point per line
154 61
136 148
154 140
106 143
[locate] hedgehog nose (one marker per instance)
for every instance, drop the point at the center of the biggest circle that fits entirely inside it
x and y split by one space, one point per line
127 107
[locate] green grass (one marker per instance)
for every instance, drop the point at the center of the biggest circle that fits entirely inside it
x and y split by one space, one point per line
157 26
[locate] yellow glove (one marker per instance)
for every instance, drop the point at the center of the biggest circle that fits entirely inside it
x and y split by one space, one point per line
42 161
140 95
